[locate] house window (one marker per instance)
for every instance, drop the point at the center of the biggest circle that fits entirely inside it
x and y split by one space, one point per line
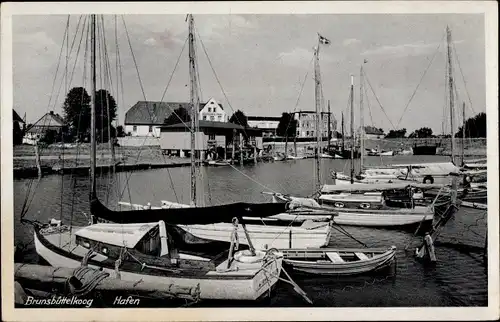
212 118
204 117
219 118
134 128
150 129
210 109
211 137
307 133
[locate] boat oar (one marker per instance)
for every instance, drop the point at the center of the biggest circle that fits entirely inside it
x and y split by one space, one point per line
297 288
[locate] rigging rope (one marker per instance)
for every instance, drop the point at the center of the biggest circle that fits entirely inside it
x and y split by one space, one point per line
420 82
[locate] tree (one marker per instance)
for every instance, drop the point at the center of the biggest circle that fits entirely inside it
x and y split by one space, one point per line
287 125
17 133
77 112
179 115
105 109
120 132
475 127
396 134
423 132
240 118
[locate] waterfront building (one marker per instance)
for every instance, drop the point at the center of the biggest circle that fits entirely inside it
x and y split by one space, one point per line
50 121
373 133
175 139
268 124
146 117
306 124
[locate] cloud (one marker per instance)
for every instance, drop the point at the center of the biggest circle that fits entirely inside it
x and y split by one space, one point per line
350 41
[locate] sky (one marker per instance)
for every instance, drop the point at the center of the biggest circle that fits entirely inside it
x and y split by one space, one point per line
262 62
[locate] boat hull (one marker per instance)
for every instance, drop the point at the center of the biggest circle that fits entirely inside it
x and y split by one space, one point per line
373 264
380 219
265 237
232 285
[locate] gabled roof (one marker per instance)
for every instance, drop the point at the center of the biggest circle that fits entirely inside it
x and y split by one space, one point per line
373 130
154 112
16 116
50 120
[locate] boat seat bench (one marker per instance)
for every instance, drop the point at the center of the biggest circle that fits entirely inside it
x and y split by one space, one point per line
334 257
361 256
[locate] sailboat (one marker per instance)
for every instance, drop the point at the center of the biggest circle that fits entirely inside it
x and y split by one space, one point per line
430 173
270 225
363 205
157 250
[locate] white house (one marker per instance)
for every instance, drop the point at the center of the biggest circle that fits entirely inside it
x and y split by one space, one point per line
50 121
213 111
146 117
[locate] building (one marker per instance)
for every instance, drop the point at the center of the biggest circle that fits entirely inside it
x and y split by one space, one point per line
213 111
210 136
268 124
373 133
306 124
50 121
146 117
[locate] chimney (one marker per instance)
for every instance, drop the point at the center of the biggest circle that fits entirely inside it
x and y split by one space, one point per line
51 112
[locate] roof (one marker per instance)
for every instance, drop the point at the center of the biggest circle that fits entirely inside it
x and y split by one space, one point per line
116 234
263 118
206 124
154 112
48 121
16 116
309 112
373 130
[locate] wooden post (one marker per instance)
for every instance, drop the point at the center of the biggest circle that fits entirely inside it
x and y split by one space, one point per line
37 160
290 238
255 154
241 149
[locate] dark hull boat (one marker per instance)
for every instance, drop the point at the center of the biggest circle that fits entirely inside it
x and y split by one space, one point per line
425 149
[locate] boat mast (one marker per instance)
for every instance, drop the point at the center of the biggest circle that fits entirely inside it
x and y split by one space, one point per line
194 107
463 134
361 120
352 129
342 132
317 101
450 83
329 133
92 110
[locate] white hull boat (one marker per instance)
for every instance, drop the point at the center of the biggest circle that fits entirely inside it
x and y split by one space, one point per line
266 237
215 278
339 261
313 232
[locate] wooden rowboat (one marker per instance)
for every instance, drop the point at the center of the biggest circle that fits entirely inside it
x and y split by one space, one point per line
338 261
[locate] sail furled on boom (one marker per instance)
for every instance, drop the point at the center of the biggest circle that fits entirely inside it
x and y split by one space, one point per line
189 216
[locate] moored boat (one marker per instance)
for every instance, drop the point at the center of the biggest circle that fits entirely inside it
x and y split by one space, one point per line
339 261
161 254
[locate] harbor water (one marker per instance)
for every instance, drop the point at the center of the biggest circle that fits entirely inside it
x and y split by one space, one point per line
458 279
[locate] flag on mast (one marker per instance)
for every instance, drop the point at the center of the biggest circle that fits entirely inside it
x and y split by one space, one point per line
323 40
